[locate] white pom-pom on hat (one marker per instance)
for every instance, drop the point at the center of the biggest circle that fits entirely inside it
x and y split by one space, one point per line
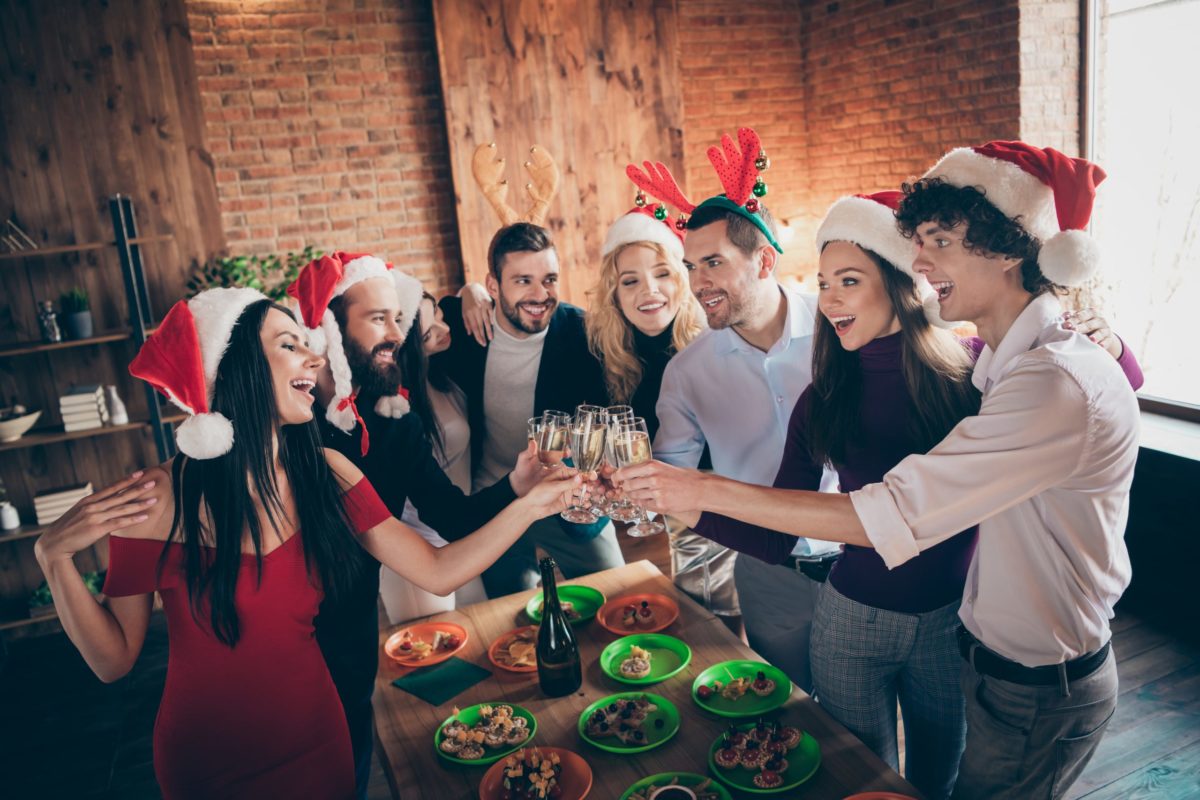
204 436
393 407
1069 258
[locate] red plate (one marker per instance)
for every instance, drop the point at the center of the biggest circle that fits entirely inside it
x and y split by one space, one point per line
502 641
423 632
666 611
575 779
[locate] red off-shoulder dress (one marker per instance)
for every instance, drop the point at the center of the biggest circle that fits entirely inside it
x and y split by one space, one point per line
261 719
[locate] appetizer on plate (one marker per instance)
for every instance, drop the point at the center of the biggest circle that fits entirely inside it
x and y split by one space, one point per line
637 665
531 774
497 727
520 650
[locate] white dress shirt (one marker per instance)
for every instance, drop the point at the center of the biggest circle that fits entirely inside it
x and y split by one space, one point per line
728 393
1045 470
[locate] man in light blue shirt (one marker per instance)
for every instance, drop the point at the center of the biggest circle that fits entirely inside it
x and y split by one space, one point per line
734 388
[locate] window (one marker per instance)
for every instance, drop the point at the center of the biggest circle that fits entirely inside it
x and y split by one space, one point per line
1144 132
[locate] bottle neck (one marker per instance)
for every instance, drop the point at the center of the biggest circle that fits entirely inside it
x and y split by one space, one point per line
549 588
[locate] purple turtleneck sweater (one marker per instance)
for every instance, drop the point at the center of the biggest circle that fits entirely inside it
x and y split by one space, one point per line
933 579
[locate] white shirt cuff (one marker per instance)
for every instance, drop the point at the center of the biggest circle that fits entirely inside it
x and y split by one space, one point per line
885 526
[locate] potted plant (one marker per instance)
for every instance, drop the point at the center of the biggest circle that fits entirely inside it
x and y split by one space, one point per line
77 314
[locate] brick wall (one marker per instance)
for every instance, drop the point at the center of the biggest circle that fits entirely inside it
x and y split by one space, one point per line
891 86
1050 63
743 65
325 125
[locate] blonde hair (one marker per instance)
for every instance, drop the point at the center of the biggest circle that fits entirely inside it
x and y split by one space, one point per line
610 334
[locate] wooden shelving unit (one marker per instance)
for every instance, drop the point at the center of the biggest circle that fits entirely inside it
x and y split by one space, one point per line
16 559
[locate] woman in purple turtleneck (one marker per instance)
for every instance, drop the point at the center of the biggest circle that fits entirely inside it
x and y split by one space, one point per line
886 384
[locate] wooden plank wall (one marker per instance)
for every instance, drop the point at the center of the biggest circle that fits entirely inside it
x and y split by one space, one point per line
96 98
596 83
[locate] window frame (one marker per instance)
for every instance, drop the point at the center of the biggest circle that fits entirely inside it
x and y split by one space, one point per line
1089 26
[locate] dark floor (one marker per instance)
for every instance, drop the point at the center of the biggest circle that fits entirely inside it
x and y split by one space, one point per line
65 734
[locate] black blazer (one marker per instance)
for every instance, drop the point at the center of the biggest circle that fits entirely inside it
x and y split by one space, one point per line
568 374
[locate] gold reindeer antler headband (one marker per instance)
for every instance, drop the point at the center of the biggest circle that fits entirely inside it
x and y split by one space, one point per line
489 174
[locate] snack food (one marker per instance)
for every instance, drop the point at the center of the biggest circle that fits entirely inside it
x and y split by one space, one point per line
645 615
762 685
520 650
761 748
735 688
418 649
629 616
622 719
701 791
497 727
637 664
531 774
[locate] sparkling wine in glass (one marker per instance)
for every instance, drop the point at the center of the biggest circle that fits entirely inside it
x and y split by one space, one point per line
551 434
587 434
631 446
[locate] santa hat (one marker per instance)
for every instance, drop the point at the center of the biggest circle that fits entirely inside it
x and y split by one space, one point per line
319 282
181 358
1049 194
869 221
639 226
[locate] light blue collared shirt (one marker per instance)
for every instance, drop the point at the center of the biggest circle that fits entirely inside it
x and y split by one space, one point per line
728 393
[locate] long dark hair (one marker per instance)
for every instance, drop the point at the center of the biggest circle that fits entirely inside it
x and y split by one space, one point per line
436 372
414 366
937 374
228 486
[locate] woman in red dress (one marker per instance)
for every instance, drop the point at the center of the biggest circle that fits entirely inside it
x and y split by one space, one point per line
241 536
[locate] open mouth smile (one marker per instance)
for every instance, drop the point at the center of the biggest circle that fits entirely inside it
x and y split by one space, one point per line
305 387
943 289
842 323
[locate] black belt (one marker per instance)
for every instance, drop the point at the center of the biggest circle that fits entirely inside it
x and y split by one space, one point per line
817 570
987 662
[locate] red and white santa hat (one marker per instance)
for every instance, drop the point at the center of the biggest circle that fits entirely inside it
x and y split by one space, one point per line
640 225
181 358
331 276
1049 194
869 221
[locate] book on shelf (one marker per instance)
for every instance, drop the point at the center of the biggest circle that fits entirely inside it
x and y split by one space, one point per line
49 506
100 415
72 427
62 493
86 395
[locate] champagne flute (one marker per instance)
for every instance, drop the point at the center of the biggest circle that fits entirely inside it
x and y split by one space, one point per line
551 436
587 451
620 510
632 446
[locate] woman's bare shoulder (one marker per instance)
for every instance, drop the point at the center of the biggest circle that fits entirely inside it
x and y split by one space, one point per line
157 524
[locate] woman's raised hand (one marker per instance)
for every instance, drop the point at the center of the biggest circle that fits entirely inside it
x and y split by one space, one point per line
91 519
527 472
477 312
553 492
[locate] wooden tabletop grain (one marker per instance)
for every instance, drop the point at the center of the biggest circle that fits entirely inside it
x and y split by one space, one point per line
405 725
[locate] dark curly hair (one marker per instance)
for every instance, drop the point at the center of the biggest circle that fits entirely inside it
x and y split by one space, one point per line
989 231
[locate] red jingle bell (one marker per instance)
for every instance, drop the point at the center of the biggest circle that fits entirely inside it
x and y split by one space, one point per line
752 205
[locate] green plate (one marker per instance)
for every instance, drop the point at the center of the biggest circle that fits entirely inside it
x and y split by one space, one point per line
681 779
470 716
587 602
656 733
803 762
749 704
668 657
688 779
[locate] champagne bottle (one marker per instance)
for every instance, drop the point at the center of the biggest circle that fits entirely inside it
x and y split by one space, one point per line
559 670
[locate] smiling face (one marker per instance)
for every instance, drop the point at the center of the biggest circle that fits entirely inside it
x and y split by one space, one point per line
527 292
370 320
967 283
727 282
294 367
648 288
435 333
852 296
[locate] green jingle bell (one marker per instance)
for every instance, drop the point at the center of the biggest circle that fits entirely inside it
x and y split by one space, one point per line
660 212
760 188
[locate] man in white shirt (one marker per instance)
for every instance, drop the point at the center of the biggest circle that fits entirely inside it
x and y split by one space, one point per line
734 388
1044 469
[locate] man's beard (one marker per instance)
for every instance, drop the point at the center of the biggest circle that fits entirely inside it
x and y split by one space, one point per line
513 315
371 377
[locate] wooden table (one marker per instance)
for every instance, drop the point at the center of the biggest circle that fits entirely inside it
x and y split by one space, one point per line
405 725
